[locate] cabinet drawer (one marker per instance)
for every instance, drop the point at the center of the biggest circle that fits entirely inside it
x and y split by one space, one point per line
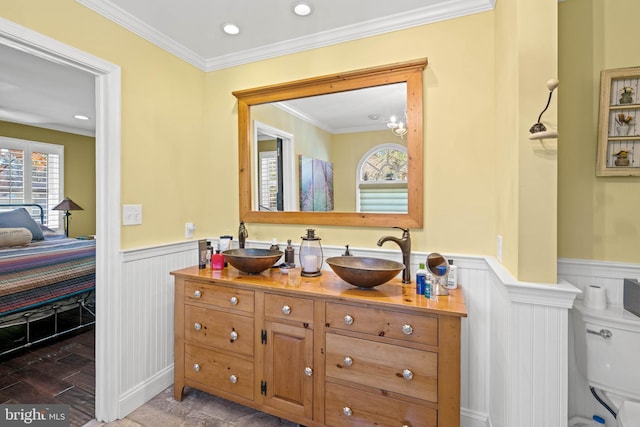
219 370
226 331
219 296
350 407
289 308
384 366
383 323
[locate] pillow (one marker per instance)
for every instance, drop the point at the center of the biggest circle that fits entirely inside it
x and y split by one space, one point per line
14 237
20 218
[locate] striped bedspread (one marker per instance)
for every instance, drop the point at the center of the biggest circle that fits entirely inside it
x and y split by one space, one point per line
45 271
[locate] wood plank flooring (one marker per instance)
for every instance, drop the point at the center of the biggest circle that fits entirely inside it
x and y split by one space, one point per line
61 372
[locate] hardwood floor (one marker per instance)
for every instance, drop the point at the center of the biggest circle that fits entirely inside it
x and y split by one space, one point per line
61 372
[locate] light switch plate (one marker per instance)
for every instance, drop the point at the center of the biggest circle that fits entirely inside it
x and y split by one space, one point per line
131 214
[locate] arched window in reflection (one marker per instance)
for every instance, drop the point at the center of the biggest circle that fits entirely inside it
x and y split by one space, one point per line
382 180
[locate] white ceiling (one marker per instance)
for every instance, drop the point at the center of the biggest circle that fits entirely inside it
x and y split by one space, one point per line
39 93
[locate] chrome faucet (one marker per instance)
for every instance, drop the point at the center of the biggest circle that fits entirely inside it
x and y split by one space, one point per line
405 247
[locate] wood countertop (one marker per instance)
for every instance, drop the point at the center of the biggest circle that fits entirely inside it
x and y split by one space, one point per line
391 294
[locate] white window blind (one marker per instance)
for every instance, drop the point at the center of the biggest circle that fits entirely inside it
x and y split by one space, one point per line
268 181
384 199
32 172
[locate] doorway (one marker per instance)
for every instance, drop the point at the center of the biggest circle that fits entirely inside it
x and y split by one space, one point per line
283 179
107 85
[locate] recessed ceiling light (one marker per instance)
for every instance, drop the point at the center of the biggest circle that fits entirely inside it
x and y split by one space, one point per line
374 116
301 8
230 29
80 117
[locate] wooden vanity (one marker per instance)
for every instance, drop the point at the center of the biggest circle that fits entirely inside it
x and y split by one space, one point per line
324 353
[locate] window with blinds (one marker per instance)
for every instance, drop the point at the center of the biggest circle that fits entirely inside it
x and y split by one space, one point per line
32 172
268 181
382 180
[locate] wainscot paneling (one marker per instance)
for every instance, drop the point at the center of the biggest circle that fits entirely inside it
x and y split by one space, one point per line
584 273
146 312
528 351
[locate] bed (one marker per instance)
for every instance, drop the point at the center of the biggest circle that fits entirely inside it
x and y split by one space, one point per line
47 284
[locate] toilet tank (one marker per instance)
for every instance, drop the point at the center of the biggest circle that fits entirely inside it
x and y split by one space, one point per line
607 347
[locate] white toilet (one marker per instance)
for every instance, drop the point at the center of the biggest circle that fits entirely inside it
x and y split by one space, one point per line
607 344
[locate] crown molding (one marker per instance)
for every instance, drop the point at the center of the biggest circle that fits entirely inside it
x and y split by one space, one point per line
437 12
136 26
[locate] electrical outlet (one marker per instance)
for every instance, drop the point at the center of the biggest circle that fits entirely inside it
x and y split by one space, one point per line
499 251
188 229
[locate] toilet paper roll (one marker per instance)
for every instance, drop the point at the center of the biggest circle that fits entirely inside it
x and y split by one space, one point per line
595 297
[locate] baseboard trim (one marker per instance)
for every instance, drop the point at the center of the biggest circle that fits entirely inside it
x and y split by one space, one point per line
143 392
469 418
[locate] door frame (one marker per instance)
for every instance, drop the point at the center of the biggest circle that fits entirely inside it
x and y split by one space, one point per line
108 266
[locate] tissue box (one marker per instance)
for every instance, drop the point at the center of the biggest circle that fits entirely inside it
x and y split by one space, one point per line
631 296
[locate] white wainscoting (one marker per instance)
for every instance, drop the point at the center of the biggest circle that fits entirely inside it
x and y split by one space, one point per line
584 273
514 340
146 308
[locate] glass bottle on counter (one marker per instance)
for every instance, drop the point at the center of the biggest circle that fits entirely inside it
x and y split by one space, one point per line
289 254
217 260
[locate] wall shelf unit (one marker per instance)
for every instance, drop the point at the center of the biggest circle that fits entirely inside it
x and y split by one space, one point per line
619 123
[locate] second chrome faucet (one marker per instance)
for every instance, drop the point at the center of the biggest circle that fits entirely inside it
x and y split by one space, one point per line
405 247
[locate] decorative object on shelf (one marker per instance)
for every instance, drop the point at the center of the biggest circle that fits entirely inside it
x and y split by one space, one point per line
311 258
538 130
618 132
622 158
398 128
623 124
67 205
626 95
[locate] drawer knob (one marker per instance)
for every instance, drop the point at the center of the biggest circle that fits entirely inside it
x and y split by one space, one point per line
197 293
233 300
308 371
407 374
233 335
407 329
347 411
196 367
348 361
197 326
348 320
286 309
233 379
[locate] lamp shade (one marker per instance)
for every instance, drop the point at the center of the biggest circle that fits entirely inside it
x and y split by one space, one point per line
67 205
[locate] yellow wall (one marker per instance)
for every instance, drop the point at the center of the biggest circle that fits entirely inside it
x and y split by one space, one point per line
598 216
526 57
79 170
166 161
179 142
459 132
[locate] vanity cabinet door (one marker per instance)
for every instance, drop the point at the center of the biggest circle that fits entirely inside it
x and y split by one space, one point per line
288 369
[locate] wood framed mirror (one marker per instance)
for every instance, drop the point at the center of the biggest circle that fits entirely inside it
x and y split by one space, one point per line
408 75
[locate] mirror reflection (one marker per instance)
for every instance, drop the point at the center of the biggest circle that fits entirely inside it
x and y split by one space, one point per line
337 152
342 149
